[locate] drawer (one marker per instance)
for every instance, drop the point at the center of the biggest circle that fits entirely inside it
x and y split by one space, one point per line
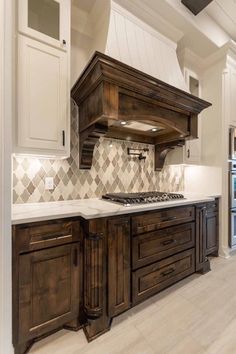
150 280
39 235
163 218
153 246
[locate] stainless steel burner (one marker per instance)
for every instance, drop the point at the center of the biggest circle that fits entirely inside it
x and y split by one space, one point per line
141 198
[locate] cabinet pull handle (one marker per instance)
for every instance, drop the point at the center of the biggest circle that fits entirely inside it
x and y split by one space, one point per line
169 219
63 137
168 271
75 258
188 153
168 242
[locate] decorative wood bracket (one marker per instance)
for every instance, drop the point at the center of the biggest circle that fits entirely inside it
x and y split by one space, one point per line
88 140
108 92
161 151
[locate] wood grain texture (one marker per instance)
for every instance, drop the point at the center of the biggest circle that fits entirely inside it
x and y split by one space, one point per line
119 266
153 246
109 91
153 278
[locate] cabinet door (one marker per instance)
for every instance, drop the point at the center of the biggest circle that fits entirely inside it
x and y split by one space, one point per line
43 99
46 20
200 237
118 266
48 290
211 242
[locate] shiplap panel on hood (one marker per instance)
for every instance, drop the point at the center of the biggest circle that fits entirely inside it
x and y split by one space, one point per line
135 43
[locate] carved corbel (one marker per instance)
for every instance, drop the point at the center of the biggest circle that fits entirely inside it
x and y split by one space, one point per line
161 151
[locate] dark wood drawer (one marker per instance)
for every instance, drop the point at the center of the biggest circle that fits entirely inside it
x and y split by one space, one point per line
39 235
153 246
163 218
149 280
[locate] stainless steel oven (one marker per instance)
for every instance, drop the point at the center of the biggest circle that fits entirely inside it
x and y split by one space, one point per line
232 203
233 228
232 143
232 183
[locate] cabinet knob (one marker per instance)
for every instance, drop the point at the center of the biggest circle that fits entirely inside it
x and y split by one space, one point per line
64 42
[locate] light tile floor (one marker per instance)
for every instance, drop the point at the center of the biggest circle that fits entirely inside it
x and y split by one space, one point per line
195 316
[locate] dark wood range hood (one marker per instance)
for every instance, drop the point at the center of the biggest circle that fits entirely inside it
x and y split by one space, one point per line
120 102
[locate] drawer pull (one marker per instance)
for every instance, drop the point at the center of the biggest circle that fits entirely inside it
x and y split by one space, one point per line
168 242
48 238
168 271
169 219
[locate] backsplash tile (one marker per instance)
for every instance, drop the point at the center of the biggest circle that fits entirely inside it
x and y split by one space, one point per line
112 171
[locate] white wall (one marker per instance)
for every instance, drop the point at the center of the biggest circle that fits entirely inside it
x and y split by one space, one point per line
6 94
204 180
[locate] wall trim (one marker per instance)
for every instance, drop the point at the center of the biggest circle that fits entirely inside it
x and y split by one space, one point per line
6 109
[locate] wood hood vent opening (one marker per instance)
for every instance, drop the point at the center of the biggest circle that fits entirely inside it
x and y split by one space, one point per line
120 102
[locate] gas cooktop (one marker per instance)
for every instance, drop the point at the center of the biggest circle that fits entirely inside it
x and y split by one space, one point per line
127 199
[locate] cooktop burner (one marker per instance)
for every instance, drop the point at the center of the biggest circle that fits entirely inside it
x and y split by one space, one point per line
138 198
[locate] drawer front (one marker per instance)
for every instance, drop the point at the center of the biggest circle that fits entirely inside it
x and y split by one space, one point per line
163 218
151 247
41 235
150 280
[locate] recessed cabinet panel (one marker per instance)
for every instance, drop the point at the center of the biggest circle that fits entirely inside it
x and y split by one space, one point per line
48 289
45 20
43 101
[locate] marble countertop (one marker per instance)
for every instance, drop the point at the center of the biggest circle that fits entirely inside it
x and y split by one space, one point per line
89 208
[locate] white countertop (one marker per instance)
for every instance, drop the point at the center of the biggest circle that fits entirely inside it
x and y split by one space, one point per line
89 209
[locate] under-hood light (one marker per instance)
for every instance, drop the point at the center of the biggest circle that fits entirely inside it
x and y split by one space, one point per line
123 122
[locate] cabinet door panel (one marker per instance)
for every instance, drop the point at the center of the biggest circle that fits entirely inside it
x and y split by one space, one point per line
48 289
45 20
42 97
211 232
119 266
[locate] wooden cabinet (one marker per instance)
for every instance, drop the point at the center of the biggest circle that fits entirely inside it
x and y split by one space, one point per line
119 274
43 99
163 218
149 280
42 126
212 225
207 234
152 246
46 280
71 273
45 20
48 290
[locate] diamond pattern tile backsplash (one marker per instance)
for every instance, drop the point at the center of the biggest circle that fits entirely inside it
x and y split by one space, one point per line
112 171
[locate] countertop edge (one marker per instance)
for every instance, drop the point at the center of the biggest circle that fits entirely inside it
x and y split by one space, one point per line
23 219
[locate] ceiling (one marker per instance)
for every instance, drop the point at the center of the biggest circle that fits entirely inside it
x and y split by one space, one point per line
202 34
224 13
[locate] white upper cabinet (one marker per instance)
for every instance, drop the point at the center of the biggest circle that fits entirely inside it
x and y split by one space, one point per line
192 148
42 125
46 21
43 100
